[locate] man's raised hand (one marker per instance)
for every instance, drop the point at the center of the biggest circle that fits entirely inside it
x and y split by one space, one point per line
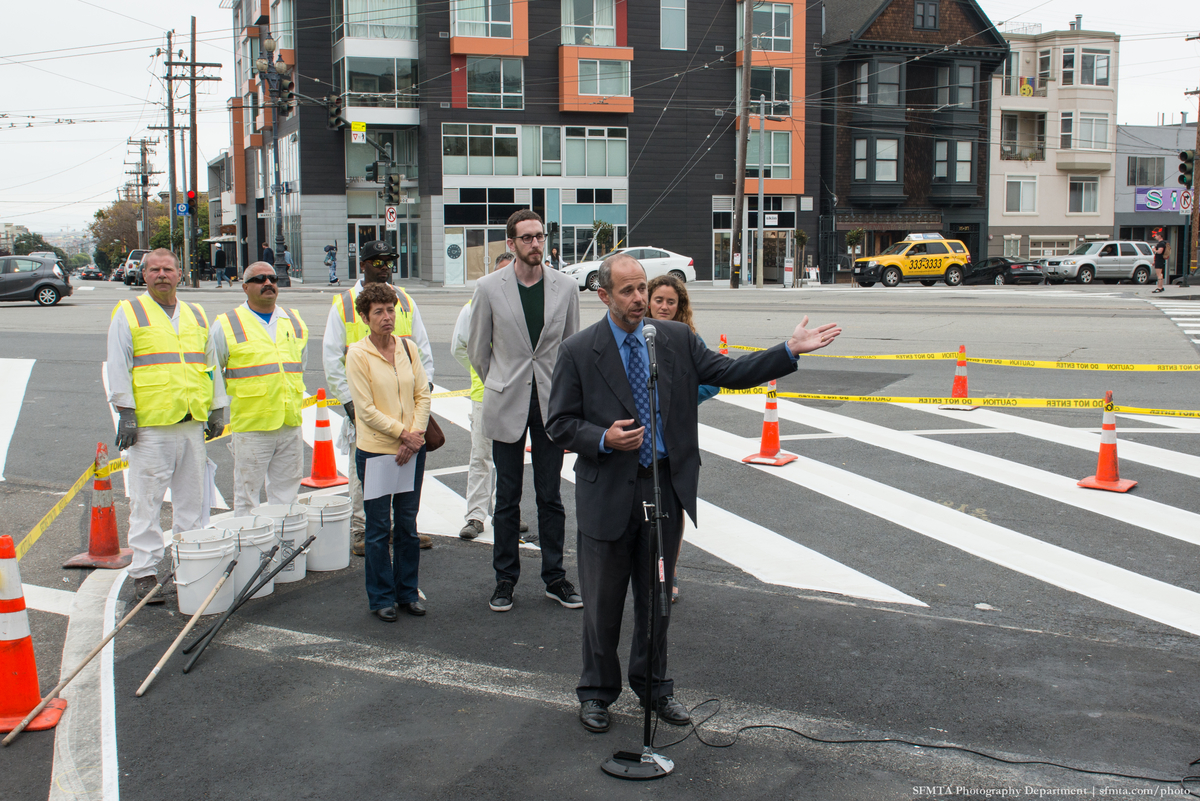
804 340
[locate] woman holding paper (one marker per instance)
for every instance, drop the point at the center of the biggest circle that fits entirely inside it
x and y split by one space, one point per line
391 409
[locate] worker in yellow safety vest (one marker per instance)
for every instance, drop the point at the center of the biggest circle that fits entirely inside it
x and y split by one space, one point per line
260 350
162 389
377 262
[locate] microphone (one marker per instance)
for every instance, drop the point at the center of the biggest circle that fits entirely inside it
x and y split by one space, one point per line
650 332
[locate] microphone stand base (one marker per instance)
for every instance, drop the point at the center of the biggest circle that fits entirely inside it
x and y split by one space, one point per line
638 767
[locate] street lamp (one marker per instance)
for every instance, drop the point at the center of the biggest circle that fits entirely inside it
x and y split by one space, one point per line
274 73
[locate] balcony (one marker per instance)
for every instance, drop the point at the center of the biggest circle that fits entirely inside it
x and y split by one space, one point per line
1011 151
1023 136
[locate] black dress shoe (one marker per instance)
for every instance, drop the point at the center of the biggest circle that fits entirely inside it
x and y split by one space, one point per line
593 715
386 614
671 711
415 608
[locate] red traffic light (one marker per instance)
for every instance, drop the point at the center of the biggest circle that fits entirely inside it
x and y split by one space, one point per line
191 195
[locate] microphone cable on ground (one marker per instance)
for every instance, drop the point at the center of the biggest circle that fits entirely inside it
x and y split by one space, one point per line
695 729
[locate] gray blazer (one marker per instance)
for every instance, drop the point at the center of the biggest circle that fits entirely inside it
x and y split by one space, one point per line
499 349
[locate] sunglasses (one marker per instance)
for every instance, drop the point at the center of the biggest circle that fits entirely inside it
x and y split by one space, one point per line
383 262
262 279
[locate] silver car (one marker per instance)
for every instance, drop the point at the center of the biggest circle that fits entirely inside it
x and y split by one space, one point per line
1112 260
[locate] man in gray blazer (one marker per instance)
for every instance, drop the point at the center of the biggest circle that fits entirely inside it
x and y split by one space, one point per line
519 316
599 409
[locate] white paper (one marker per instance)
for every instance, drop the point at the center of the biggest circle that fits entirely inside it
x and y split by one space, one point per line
385 477
211 493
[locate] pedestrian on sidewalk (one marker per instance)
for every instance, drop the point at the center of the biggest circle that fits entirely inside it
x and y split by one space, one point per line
1162 251
219 266
331 263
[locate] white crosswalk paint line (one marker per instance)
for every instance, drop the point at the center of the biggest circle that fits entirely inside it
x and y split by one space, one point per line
1141 512
769 557
14 377
1162 458
1109 584
1182 423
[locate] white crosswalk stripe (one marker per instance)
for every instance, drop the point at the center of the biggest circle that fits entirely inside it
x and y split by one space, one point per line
14 377
1183 314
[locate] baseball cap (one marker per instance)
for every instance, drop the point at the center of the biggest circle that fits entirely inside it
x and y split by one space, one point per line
376 249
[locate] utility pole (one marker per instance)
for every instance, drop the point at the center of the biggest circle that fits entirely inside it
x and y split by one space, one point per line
143 173
171 138
1194 249
739 203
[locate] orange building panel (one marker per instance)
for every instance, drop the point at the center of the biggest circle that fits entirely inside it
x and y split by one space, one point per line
569 98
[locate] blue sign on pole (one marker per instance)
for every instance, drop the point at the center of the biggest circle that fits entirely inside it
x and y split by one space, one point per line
181 210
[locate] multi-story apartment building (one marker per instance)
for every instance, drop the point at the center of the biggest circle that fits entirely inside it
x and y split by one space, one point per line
1149 195
1053 129
586 111
906 91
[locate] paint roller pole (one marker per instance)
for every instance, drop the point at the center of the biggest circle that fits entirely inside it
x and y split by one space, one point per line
54 693
246 596
245 593
187 628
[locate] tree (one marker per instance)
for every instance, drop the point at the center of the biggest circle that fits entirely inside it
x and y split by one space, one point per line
102 262
79 260
115 229
854 238
161 227
33 243
602 232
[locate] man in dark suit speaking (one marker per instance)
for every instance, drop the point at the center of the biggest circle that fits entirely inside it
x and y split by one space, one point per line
599 409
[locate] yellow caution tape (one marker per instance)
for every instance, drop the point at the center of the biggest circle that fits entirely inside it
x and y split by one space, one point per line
43 524
1044 365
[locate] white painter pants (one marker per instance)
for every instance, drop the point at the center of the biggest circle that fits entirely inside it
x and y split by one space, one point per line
164 457
271 458
481 472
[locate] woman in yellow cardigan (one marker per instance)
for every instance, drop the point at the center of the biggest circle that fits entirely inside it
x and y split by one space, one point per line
391 410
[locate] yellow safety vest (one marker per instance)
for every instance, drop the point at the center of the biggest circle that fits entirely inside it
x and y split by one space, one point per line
356 329
476 383
170 377
263 377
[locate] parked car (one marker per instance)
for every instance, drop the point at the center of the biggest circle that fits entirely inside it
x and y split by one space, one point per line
133 267
927 258
41 278
1107 260
656 262
91 273
1004 270
118 274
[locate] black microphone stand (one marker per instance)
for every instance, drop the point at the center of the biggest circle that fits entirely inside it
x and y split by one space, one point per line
647 764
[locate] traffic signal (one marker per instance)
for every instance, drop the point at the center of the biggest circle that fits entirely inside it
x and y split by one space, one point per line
372 171
191 202
287 94
391 192
335 107
1187 167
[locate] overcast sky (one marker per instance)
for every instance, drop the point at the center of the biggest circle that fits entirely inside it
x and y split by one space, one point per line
75 91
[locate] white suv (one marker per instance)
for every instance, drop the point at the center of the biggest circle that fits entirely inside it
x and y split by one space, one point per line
1114 260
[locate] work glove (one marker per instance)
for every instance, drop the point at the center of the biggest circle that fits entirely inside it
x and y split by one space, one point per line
216 424
349 407
127 428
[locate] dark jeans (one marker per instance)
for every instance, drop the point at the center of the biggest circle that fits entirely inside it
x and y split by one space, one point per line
606 569
551 518
392 578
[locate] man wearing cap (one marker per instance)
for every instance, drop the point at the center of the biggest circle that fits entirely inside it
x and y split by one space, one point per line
260 350
377 259
162 389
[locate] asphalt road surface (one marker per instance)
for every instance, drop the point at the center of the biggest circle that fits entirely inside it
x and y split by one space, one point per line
925 576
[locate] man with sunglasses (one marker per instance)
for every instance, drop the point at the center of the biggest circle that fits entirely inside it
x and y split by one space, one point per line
519 316
343 328
260 350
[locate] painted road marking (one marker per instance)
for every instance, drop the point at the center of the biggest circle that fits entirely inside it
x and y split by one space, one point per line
1075 572
47 599
14 377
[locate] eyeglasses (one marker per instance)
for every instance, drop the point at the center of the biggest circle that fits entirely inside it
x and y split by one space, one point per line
382 262
529 239
262 279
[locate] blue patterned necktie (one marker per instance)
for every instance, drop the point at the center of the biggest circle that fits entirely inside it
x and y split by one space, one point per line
641 395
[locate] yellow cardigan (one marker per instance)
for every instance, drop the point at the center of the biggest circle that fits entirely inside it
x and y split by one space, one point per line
387 400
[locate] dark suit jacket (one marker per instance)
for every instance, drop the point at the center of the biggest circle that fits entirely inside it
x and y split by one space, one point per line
590 391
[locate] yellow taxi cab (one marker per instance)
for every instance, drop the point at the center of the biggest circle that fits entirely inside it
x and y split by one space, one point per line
927 258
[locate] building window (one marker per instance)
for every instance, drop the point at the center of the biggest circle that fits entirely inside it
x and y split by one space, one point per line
589 22
943 87
379 82
1146 171
963 162
887 89
1068 68
926 17
1041 248
400 145
860 159
776 158
966 87
1009 87
494 83
862 84
480 149
1084 195
1012 246
772 27
596 151
673 25
607 78
1021 194
1065 127
1093 132
482 18
282 23
887 157
1093 69
941 161
375 19
1043 71
775 83
1023 136
551 150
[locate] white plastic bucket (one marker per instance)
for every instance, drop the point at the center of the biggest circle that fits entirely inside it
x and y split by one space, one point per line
291 526
201 556
329 520
255 536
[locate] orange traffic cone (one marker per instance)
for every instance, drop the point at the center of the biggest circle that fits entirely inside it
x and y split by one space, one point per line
724 351
768 451
19 692
104 545
1108 475
324 469
959 389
